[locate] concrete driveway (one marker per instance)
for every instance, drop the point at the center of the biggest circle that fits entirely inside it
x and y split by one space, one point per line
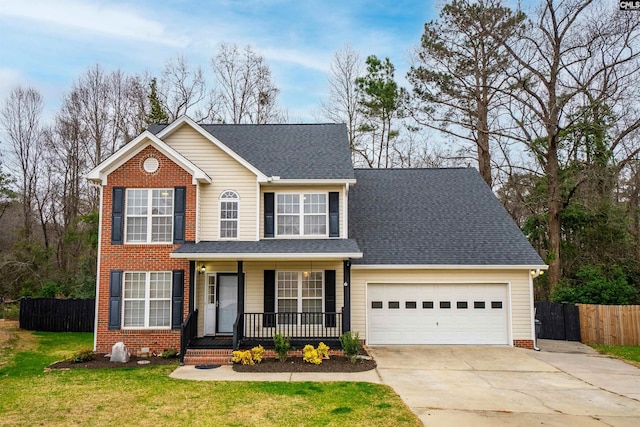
494 386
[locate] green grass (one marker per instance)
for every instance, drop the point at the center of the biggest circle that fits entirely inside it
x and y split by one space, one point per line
630 353
148 397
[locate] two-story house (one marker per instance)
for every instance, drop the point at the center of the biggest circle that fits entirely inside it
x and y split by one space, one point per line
222 235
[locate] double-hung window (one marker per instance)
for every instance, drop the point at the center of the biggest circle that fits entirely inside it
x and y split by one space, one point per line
301 214
299 292
149 215
229 201
147 299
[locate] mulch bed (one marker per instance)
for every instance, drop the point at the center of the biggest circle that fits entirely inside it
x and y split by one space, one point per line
296 364
103 362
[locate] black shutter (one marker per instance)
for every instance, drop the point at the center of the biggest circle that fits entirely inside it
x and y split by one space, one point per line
117 215
269 319
115 298
334 214
330 298
179 210
269 218
177 298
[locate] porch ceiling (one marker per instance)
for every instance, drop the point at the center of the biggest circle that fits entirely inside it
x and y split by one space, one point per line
272 249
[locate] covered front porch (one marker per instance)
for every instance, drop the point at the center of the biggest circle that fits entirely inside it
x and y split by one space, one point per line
242 299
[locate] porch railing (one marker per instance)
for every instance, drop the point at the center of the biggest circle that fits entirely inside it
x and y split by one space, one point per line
188 331
314 325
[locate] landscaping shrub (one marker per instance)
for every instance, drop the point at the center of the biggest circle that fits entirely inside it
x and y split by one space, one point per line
248 357
350 345
310 355
85 355
323 350
169 354
243 357
257 352
595 284
282 346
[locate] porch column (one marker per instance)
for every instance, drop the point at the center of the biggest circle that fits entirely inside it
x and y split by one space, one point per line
192 281
240 288
346 312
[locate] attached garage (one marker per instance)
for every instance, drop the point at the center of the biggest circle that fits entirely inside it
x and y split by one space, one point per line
410 313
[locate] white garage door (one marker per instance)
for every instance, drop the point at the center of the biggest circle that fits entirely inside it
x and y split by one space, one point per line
437 314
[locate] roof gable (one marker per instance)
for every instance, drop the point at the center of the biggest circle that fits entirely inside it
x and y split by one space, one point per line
433 217
286 151
101 172
164 131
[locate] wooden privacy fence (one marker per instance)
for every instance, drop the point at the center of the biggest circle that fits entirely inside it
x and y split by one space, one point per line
57 315
610 324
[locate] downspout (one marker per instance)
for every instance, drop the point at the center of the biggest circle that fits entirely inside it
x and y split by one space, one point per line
533 313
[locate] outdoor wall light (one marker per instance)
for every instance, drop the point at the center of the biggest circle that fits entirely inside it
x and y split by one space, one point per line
536 273
202 269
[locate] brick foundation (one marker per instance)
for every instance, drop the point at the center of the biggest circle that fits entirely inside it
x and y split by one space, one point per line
528 344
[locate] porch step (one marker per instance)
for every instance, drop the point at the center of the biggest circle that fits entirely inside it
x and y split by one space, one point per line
208 357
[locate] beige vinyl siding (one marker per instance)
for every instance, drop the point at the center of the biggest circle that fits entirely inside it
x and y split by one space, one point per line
304 189
520 303
227 174
254 285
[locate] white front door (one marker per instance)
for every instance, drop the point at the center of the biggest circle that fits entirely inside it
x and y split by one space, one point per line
227 302
210 302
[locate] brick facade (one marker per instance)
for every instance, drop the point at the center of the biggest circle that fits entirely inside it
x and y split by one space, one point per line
141 257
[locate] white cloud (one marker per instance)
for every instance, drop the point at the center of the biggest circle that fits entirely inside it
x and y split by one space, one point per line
9 79
104 19
312 60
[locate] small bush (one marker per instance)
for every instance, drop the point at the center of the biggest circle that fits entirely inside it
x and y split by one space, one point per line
350 345
257 352
323 350
310 355
10 311
169 354
282 346
82 356
243 357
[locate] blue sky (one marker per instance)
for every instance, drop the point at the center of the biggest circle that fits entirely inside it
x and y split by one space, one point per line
47 44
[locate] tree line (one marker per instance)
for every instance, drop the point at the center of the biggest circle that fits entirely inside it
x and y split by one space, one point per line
542 101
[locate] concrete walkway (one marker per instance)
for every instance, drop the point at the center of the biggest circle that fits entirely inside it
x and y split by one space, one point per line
226 373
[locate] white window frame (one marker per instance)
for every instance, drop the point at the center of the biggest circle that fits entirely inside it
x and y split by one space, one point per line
147 299
236 200
299 296
149 216
301 215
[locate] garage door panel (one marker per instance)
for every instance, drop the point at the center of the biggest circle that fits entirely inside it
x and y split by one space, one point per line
469 318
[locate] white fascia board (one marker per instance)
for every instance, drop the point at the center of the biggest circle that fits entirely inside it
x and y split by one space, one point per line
100 173
278 181
185 119
265 256
446 267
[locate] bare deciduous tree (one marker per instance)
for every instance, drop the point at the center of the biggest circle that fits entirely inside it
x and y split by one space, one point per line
577 55
20 118
342 106
245 90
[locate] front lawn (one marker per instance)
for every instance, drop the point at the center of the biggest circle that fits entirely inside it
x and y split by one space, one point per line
148 397
630 353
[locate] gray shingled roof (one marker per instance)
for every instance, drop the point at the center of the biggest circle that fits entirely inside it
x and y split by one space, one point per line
298 151
275 246
433 216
